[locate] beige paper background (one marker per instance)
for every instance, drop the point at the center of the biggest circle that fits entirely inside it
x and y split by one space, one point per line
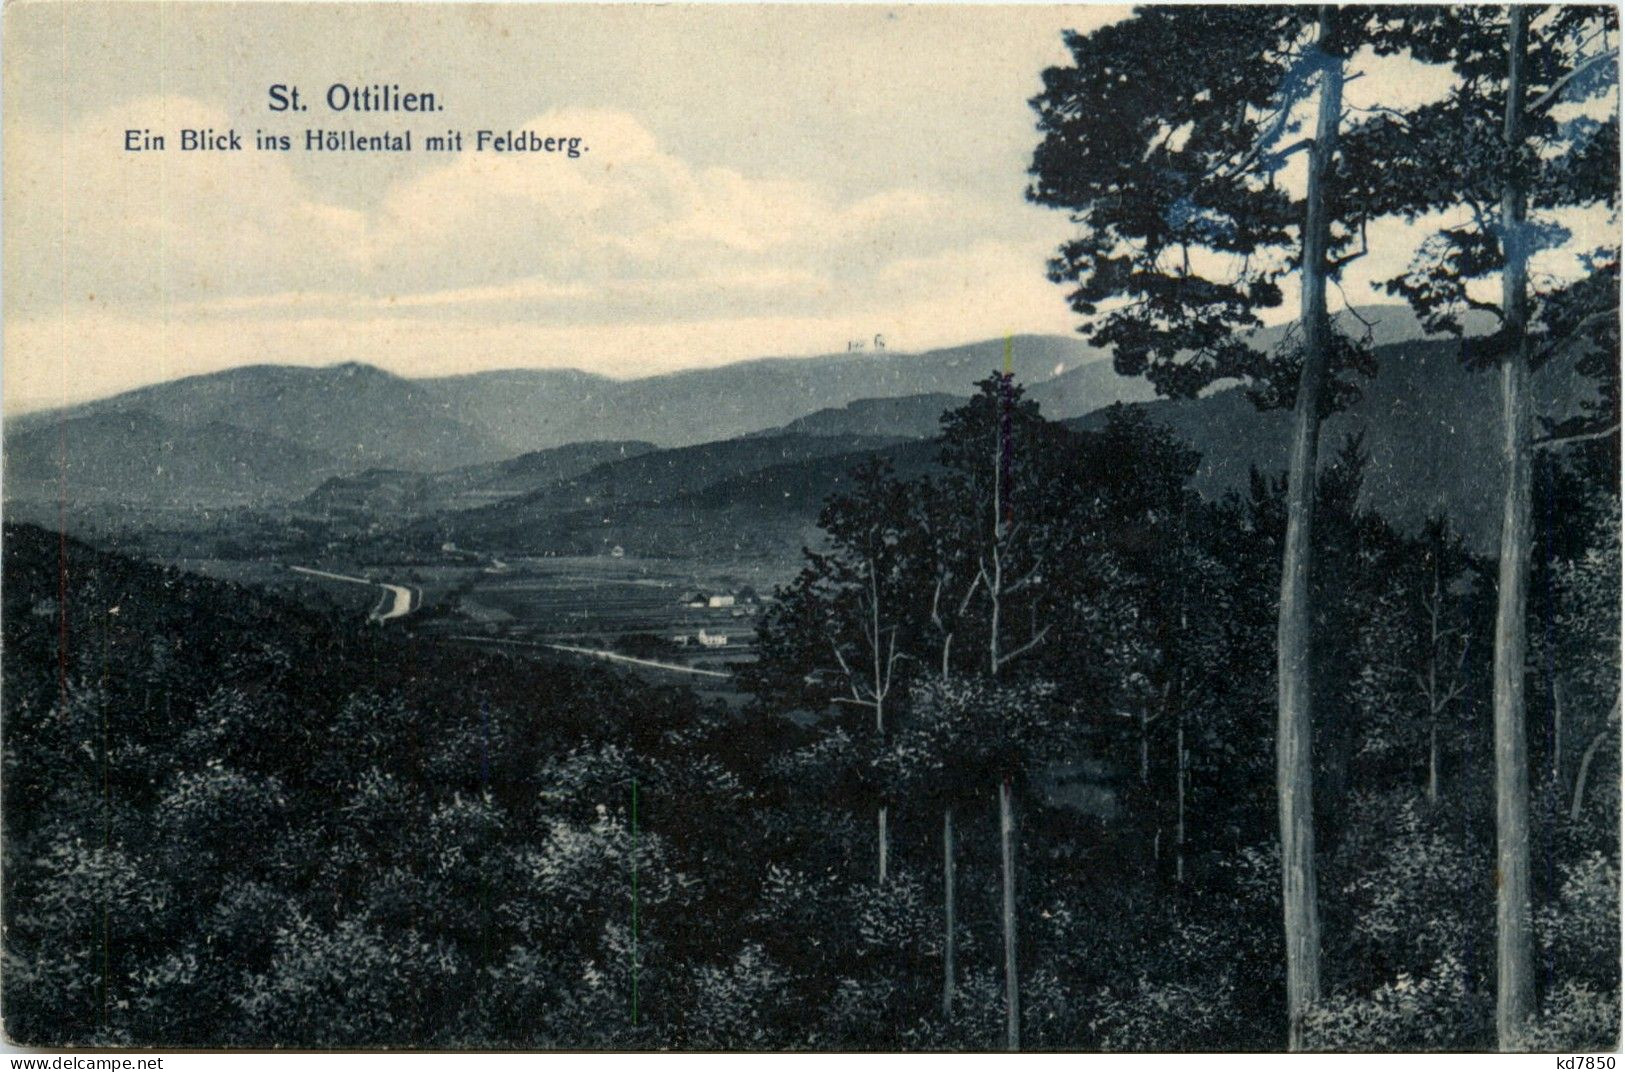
761 180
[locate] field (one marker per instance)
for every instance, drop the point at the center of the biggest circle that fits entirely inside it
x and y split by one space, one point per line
629 607
634 611
582 599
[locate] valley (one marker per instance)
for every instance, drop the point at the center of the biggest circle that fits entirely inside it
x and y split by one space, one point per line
494 529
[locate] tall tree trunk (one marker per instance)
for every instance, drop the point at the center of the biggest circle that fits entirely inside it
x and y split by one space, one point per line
1179 793
1557 735
1179 727
1435 607
1007 844
1294 763
950 939
884 843
882 668
950 918
1145 787
1433 764
1145 748
995 580
1515 984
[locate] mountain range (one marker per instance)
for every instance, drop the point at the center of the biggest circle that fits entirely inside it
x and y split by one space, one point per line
348 419
1429 426
527 458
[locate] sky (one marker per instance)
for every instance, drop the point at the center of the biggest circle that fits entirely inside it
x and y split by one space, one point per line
758 181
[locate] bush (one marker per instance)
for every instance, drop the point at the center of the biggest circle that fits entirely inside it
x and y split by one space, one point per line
1576 1017
1435 1011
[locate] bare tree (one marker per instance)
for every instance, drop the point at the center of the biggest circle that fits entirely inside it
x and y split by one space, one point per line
871 675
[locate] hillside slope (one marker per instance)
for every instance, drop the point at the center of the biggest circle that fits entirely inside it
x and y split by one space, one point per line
360 416
1432 429
356 420
544 409
390 496
133 456
620 489
262 433
910 416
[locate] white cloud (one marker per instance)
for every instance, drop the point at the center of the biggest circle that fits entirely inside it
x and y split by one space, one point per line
979 293
140 266
744 230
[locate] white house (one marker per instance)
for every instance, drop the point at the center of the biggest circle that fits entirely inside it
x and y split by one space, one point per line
713 640
721 601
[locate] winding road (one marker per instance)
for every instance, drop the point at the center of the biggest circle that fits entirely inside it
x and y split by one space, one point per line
611 656
398 600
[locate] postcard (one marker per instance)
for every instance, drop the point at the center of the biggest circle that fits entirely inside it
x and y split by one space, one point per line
778 528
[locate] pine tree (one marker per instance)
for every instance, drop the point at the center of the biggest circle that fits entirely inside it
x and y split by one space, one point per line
1164 141
1514 157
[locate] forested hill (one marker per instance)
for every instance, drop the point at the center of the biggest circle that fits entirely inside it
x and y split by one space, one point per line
1430 426
233 822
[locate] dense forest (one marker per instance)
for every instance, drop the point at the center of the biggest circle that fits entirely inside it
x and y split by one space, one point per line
1044 749
1209 158
1041 783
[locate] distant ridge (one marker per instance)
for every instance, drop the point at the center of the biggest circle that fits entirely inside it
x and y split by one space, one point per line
360 415
387 496
138 458
284 430
911 416
703 405
351 418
